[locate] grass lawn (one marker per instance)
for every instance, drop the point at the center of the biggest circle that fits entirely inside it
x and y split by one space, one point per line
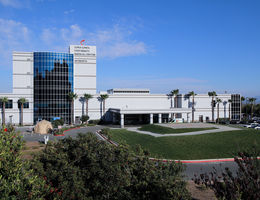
166 130
211 145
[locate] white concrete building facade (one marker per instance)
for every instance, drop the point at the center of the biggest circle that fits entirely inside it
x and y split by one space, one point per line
46 78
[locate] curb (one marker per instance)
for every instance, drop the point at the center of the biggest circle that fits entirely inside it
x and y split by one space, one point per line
196 161
106 139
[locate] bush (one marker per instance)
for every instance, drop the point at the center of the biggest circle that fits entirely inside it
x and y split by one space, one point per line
244 185
96 121
222 120
84 118
58 122
87 168
17 181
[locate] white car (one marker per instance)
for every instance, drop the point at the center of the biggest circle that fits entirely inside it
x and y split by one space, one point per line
257 127
252 125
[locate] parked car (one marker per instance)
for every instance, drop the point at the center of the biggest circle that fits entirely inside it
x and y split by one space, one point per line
257 127
252 125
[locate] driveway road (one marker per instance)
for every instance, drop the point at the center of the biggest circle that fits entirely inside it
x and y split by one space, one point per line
72 133
200 168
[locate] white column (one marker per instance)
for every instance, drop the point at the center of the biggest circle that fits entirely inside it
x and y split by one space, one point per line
188 118
122 122
151 118
160 118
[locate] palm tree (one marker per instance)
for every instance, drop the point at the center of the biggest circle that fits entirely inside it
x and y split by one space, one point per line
22 101
72 96
192 93
225 111
212 94
3 100
218 102
103 98
252 102
242 100
229 109
87 97
175 93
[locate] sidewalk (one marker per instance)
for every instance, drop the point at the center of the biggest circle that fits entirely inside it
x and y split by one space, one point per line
219 129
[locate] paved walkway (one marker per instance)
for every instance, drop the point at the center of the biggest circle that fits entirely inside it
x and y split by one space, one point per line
219 129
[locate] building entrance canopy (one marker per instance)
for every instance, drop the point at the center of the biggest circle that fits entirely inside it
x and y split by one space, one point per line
151 112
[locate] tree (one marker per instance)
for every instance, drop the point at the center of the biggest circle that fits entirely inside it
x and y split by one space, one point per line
17 181
87 97
218 102
72 96
88 168
22 101
84 118
3 100
242 100
252 102
229 109
192 93
243 185
103 98
174 93
212 94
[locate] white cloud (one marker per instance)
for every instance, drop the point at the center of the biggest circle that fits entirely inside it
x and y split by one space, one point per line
111 43
12 3
16 3
14 36
71 35
66 12
116 42
48 35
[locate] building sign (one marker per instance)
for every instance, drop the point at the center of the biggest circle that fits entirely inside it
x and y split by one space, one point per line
83 54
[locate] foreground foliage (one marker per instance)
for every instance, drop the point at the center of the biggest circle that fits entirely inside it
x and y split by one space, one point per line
87 168
17 181
245 184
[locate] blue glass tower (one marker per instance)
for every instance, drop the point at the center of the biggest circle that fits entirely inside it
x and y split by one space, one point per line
53 81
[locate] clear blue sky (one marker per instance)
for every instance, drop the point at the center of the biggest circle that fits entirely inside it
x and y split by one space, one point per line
199 45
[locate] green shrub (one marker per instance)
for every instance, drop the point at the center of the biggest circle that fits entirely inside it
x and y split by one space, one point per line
17 181
87 168
244 185
96 121
58 122
84 118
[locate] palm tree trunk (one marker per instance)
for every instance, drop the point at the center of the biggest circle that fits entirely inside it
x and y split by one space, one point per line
193 109
104 106
252 111
229 112
212 109
87 107
218 113
3 121
87 110
21 114
72 112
